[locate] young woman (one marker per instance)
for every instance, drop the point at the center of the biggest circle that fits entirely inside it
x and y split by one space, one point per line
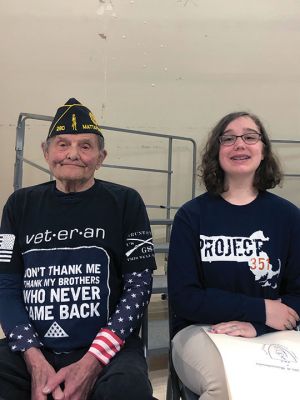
234 254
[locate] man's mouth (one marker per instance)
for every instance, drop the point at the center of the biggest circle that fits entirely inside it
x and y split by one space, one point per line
72 164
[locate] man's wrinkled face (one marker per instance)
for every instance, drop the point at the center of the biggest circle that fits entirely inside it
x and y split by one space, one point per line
73 159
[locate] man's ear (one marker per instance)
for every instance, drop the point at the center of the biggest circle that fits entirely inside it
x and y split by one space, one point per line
102 157
45 150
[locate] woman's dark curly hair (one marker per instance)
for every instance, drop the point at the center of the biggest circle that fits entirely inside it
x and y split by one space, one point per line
267 175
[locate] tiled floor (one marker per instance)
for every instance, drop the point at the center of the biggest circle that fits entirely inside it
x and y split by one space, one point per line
159 383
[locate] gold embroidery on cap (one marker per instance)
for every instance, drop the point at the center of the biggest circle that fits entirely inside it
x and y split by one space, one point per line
91 127
74 122
93 119
60 128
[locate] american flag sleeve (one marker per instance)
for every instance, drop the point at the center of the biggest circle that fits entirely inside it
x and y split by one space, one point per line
126 318
6 247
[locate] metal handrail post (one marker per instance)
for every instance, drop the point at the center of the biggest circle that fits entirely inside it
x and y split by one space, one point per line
169 185
194 175
18 167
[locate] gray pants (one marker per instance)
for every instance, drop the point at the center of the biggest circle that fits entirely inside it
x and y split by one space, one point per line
198 363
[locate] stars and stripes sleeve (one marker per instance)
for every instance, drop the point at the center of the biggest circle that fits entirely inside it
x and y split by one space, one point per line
22 338
126 318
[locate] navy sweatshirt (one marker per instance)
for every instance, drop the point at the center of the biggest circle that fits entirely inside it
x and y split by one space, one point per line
224 260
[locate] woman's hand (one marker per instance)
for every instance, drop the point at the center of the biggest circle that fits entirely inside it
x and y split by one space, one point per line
279 316
235 328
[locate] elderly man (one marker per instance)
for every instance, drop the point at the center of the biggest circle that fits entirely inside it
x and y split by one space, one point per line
76 267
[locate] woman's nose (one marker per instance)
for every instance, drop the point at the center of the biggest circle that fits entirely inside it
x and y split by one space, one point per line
239 142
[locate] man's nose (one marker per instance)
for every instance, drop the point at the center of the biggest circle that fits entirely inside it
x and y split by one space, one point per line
73 153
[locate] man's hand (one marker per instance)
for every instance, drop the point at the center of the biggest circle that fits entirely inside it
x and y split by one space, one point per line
235 328
279 316
78 378
41 371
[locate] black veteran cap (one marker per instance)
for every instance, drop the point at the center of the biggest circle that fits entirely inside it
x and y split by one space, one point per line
73 118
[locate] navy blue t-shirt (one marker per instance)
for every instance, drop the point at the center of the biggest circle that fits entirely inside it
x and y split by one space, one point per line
65 255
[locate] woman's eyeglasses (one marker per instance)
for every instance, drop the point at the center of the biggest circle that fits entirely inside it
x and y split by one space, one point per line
248 138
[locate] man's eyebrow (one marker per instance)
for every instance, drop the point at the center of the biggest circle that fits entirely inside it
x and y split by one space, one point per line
86 140
60 139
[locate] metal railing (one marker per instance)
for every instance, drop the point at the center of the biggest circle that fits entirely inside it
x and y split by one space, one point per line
288 141
20 160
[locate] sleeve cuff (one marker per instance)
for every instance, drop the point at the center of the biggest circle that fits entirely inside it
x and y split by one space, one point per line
255 310
106 345
261 329
23 337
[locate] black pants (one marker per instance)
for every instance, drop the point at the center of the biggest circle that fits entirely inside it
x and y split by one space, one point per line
126 376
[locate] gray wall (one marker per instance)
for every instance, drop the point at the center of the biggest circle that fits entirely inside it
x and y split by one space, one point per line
168 66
